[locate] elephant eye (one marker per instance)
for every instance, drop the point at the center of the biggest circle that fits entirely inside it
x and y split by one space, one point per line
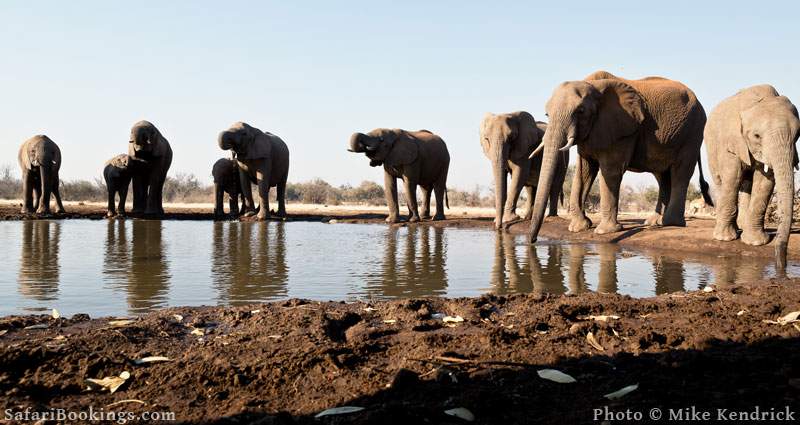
756 135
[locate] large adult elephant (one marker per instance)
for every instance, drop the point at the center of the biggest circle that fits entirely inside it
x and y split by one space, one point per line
508 140
751 139
40 160
263 159
420 158
147 144
650 125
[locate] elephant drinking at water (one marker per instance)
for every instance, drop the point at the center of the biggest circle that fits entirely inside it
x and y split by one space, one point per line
147 144
650 125
751 139
508 140
420 158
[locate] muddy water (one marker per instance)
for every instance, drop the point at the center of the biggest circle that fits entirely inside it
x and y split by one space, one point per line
127 267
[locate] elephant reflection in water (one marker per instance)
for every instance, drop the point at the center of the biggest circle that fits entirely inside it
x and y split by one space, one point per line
669 274
607 280
517 274
117 256
416 271
728 271
148 275
249 261
39 269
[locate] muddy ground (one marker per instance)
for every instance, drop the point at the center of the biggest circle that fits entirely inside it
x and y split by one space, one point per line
695 238
284 362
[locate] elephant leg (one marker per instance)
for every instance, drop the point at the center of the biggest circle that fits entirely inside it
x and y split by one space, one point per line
675 211
44 199
139 194
411 198
531 190
249 208
281 194
753 230
725 205
610 179
111 209
439 191
263 196
585 173
663 180
743 206
390 192
514 189
123 196
218 195
154 192
425 210
233 205
57 194
28 192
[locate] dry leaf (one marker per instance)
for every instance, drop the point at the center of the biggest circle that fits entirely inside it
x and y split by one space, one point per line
555 376
741 312
787 319
708 289
39 326
255 311
370 309
3 332
593 342
390 321
60 338
603 318
275 336
198 331
151 359
461 413
645 316
339 411
622 392
56 314
110 383
120 323
131 400
178 317
615 332
452 319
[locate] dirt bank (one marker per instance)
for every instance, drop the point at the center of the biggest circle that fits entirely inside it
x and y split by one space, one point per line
695 238
284 362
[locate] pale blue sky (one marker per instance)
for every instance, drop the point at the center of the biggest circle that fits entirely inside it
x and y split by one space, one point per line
314 72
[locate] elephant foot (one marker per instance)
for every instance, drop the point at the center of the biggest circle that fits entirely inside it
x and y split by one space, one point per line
653 220
249 213
679 221
438 217
110 214
726 232
607 227
43 211
281 213
579 224
414 219
528 215
27 211
755 237
392 219
509 216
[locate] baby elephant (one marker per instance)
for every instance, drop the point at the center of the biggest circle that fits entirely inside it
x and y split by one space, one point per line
40 160
226 180
751 138
118 173
418 157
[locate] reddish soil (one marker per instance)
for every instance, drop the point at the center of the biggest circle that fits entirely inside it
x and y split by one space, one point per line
283 362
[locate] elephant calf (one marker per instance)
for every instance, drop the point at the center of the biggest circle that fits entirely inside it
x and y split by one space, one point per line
508 140
40 160
418 157
226 180
118 173
751 138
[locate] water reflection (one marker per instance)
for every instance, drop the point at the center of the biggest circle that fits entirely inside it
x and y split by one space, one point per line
148 273
249 261
413 263
39 269
669 274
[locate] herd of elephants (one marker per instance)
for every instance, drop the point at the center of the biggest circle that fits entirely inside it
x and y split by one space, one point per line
653 125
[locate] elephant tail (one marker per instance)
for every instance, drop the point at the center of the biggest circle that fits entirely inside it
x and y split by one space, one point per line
704 185
446 201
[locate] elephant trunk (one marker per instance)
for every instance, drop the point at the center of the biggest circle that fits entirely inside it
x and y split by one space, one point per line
784 185
356 145
500 182
224 140
546 175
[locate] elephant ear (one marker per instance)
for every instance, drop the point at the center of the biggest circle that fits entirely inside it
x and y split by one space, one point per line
161 143
404 150
620 110
737 143
526 138
260 146
484 125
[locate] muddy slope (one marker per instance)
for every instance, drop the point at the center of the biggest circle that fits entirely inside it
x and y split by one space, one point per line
284 362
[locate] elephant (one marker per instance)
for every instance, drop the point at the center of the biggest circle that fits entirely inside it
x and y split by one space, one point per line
750 139
118 173
147 143
226 180
420 158
650 125
40 160
507 141
263 159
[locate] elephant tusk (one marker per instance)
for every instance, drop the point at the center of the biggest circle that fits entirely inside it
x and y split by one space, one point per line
766 169
570 142
536 151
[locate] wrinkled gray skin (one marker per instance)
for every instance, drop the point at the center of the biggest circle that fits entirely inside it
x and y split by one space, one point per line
420 158
751 138
263 159
118 173
40 160
650 125
226 180
147 144
508 141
